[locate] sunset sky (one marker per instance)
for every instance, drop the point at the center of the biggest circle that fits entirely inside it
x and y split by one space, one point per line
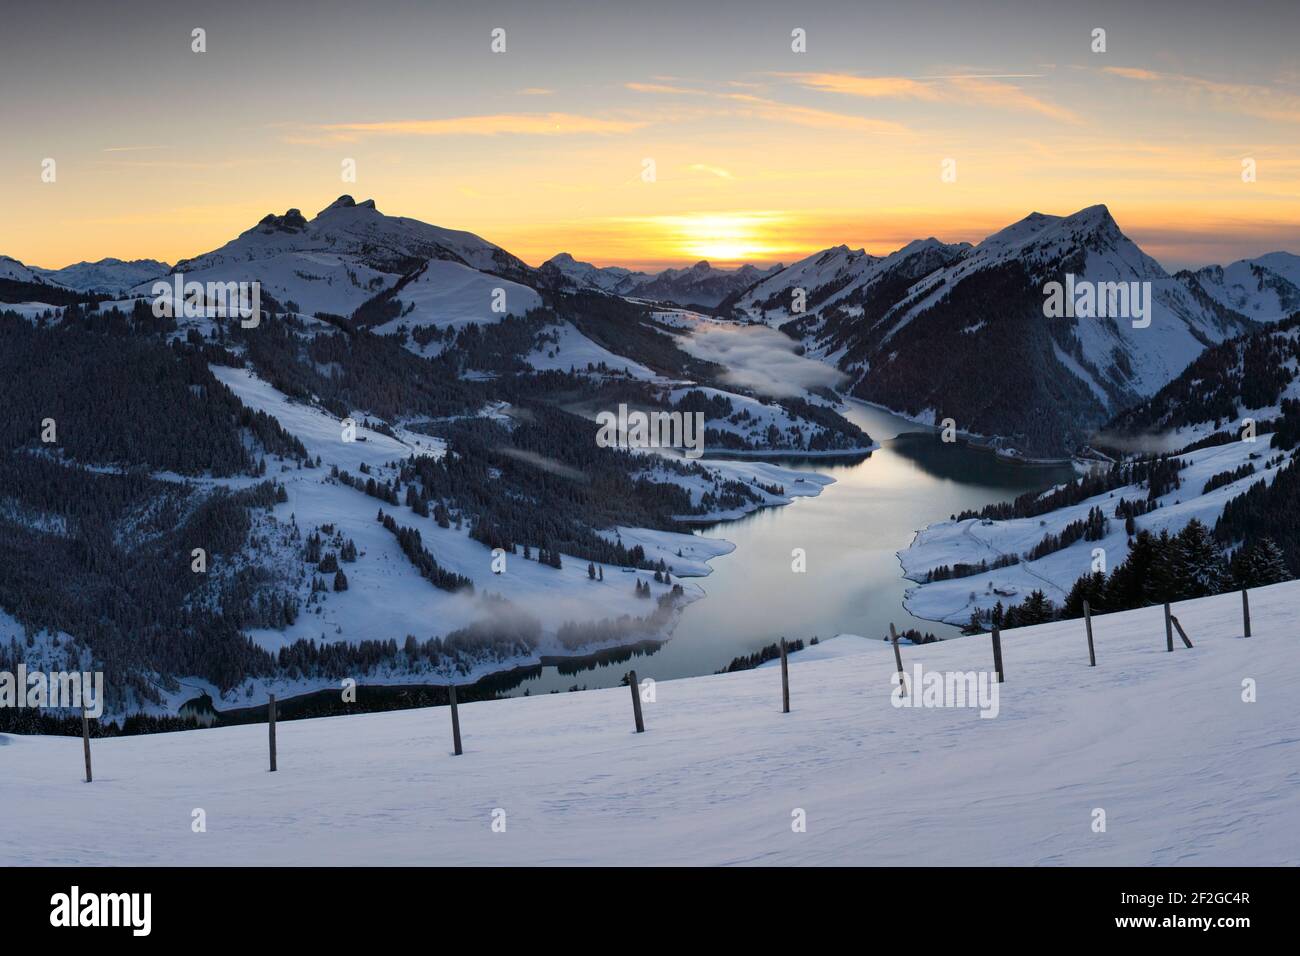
761 154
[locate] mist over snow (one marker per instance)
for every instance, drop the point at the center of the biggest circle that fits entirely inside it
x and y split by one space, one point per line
760 358
1146 443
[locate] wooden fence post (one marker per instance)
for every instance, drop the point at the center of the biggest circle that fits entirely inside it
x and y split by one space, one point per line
455 718
270 713
1181 632
1245 611
85 739
785 680
898 658
1087 622
636 703
997 652
1169 629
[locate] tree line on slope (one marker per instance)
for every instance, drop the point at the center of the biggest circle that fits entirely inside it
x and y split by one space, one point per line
1247 372
1158 569
115 573
127 400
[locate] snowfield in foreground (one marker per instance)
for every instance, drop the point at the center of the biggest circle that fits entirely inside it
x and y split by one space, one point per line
1185 770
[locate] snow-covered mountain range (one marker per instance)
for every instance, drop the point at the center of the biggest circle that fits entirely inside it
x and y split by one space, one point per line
918 331
922 330
111 276
701 285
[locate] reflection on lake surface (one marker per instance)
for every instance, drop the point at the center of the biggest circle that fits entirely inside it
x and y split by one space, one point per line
850 533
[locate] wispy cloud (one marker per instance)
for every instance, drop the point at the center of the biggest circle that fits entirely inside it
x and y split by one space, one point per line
535 91
527 124
711 170
1008 96
1261 102
237 163
664 88
990 90
871 87
983 76
777 112
752 105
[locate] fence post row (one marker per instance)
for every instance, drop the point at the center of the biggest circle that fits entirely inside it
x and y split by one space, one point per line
1171 623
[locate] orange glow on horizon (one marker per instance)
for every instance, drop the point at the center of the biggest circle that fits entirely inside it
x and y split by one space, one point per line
760 179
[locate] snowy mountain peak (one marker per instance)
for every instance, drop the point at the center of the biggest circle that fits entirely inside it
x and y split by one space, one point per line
1098 213
1088 240
925 245
291 221
1285 264
344 257
575 272
1092 220
347 202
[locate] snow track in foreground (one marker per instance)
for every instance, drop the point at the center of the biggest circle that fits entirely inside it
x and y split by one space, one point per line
1186 771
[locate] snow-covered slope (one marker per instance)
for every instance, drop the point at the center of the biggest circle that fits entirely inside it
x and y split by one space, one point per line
444 294
1186 772
14 270
387 594
1250 376
563 347
107 275
387 597
973 540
